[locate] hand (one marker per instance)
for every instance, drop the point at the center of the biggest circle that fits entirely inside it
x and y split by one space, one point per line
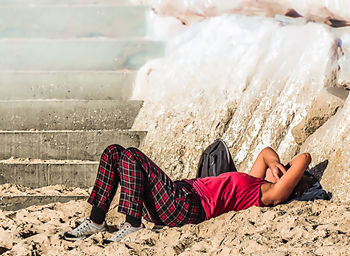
277 170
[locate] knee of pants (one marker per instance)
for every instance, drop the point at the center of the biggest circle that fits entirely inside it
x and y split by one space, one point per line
134 152
113 147
131 155
129 162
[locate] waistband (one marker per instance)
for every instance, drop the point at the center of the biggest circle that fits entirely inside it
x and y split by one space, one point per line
188 184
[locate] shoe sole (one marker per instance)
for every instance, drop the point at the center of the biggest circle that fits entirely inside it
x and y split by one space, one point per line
72 239
80 238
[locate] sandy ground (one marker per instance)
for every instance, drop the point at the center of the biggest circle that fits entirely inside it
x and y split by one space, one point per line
297 228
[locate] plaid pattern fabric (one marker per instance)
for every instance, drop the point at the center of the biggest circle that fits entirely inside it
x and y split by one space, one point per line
107 179
145 189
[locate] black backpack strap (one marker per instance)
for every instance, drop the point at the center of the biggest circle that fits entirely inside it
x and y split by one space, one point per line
203 166
200 164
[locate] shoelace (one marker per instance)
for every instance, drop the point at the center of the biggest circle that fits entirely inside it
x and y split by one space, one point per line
120 233
120 225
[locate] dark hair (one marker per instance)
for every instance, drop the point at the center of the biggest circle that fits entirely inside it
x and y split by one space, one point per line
304 184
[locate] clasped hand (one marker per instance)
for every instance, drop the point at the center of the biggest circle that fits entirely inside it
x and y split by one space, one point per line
277 170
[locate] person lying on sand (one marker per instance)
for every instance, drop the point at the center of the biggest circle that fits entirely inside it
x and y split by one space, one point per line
146 191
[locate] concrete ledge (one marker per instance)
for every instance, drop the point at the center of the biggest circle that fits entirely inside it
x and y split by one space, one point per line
14 203
68 114
77 54
68 2
57 21
64 145
84 85
39 173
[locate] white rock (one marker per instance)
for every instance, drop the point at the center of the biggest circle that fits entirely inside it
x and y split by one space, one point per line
330 145
249 80
315 10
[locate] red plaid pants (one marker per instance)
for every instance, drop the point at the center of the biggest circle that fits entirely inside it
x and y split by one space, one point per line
145 189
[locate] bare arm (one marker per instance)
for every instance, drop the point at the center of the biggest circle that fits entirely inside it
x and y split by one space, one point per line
268 166
273 194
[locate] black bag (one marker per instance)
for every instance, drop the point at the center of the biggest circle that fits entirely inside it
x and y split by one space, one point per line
215 160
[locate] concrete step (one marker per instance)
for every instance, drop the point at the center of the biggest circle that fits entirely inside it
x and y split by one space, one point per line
39 173
64 145
68 114
85 85
77 54
14 203
67 2
67 21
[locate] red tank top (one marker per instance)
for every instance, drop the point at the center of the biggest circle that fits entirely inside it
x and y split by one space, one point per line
226 192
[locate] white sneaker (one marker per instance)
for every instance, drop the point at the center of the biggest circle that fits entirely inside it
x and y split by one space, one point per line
85 229
125 229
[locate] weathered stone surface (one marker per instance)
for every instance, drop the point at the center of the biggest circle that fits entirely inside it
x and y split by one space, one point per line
69 21
64 145
344 60
41 173
14 203
335 13
67 69
67 114
83 85
68 2
247 98
330 145
324 107
76 53
252 97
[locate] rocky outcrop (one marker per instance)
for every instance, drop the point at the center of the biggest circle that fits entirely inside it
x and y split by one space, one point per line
330 145
323 108
247 80
335 13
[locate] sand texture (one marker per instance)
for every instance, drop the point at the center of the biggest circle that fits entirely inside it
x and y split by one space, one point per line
297 228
